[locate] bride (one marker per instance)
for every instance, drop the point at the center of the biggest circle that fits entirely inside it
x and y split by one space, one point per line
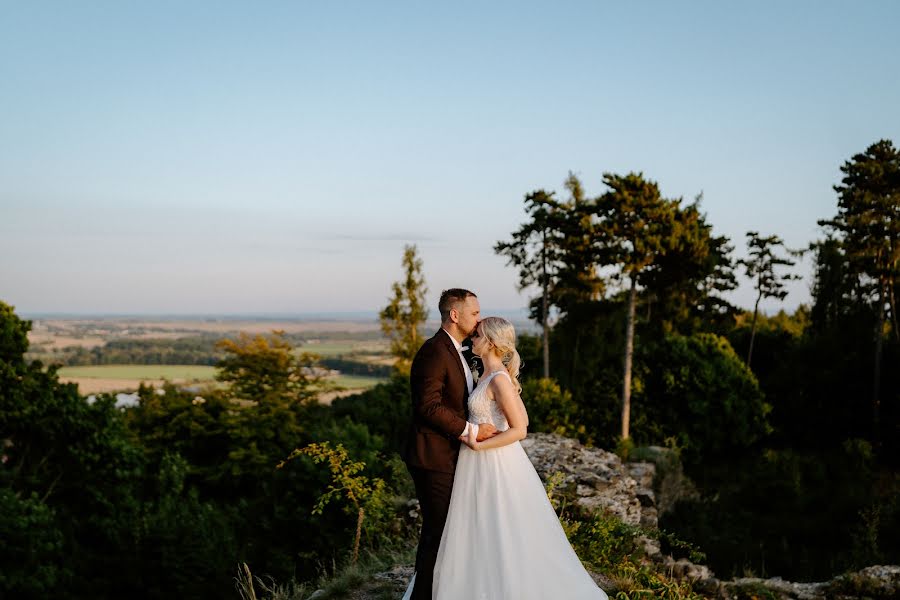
502 539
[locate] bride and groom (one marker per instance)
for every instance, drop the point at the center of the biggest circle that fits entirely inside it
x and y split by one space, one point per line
488 530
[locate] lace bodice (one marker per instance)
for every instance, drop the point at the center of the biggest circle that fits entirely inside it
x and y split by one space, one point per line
484 410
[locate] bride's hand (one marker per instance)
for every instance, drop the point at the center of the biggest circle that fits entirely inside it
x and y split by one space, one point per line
469 439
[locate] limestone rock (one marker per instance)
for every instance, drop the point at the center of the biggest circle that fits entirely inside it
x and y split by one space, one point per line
600 479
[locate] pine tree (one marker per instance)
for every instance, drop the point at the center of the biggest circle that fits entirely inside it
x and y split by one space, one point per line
405 314
635 226
760 269
535 249
868 222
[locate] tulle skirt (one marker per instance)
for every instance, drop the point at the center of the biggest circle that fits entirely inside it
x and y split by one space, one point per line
502 539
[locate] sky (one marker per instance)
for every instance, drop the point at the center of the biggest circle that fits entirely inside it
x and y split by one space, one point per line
246 157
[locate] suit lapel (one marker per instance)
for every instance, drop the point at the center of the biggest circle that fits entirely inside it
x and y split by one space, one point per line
454 356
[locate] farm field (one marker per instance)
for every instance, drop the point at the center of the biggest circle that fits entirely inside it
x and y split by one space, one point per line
119 378
327 349
357 382
126 378
171 372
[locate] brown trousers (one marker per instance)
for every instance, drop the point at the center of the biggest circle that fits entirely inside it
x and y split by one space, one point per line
433 489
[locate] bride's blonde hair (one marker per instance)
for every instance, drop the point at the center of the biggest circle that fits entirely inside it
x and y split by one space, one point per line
501 333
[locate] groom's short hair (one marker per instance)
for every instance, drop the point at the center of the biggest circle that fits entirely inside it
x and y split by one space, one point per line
450 299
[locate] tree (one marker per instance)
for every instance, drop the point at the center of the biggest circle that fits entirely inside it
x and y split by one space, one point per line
265 369
635 226
535 249
684 287
760 267
697 390
868 221
405 313
578 280
68 484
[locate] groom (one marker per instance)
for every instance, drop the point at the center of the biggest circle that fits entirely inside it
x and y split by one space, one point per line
441 382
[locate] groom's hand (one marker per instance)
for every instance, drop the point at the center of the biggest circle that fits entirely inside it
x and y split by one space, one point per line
485 431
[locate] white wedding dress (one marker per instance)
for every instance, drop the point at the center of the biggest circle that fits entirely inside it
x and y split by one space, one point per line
502 539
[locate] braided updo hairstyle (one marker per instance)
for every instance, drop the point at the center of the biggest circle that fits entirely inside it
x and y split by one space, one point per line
501 333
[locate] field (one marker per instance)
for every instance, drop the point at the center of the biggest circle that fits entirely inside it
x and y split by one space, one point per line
126 378
96 379
140 372
344 347
356 382
53 340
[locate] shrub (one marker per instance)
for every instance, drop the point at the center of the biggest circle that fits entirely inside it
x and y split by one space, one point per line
551 409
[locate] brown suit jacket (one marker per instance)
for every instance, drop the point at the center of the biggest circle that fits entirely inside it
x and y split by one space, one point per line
439 396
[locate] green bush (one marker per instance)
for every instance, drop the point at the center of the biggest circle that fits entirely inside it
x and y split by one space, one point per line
697 390
31 552
551 409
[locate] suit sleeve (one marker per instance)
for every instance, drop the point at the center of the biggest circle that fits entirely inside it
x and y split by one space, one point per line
427 380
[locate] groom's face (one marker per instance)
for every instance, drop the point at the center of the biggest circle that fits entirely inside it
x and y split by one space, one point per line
468 314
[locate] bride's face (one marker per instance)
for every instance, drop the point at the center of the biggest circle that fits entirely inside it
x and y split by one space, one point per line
480 344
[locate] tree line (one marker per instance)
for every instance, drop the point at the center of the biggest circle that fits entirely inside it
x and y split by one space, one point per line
630 244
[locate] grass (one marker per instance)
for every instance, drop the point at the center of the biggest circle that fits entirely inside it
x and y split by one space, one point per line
132 372
358 381
338 348
346 581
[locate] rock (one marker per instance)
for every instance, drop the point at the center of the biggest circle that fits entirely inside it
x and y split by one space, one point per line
600 479
685 569
878 581
875 582
399 575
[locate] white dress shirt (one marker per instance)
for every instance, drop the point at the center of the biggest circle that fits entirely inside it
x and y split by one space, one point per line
470 380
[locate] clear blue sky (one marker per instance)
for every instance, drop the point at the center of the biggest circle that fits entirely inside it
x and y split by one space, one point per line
275 157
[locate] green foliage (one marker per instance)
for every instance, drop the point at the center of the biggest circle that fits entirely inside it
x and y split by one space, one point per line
753 591
868 203
359 493
83 513
550 409
266 369
761 264
684 291
338 582
760 267
869 234
537 249
789 511
13 337
607 545
695 389
602 540
635 225
31 552
182 542
403 317
384 409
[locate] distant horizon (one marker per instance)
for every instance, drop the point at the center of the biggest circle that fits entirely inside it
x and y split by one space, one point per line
231 316
350 315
